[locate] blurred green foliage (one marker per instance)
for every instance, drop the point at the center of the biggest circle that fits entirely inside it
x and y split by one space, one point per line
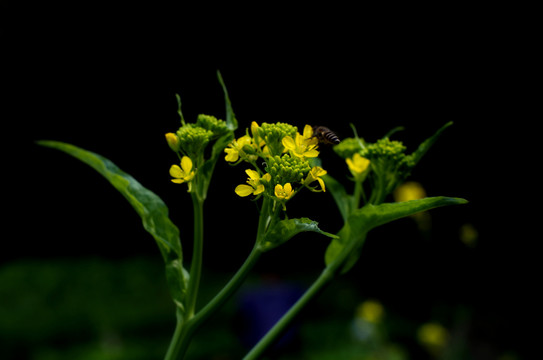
121 309
84 309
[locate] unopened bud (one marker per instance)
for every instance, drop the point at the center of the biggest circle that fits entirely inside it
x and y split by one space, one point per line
173 141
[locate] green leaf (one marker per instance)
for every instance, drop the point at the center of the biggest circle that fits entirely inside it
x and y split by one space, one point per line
152 210
209 165
345 250
427 144
231 121
343 200
284 230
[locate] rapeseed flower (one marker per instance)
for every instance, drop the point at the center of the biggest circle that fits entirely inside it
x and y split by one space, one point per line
358 166
302 145
182 174
240 148
255 187
284 192
314 175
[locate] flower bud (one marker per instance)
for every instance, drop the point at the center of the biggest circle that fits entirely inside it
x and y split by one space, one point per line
286 169
248 149
208 122
173 141
193 139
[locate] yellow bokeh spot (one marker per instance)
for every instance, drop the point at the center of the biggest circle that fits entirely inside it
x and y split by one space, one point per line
371 310
410 190
469 235
433 335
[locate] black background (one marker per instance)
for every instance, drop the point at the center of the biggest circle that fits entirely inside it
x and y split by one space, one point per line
105 79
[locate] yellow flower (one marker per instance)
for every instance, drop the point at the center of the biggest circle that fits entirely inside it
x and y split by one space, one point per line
182 174
254 129
235 149
173 141
255 186
313 175
284 192
359 166
304 145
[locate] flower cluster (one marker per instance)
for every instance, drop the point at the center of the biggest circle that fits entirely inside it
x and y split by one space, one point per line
190 142
385 159
284 168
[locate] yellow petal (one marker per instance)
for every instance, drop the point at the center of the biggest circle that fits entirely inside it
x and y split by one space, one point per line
311 153
244 190
311 142
360 163
176 172
178 181
308 131
299 139
352 165
266 177
287 188
288 142
189 176
279 191
317 171
232 155
186 164
244 140
254 128
253 175
321 182
259 189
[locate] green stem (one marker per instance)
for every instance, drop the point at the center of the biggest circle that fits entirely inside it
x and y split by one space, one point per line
196 265
357 194
188 324
176 344
272 335
229 289
326 276
183 334
265 217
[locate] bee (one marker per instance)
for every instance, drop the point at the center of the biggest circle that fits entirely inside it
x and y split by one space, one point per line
325 135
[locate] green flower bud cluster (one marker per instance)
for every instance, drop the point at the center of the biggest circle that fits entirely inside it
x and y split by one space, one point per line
286 169
388 162
208 122
348 147
193 139
384 149
273 135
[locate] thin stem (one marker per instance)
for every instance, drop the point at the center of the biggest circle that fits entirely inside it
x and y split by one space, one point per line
265 218
229 289
188 325
196 265
183 338
175 344
357 194
272 335
326 276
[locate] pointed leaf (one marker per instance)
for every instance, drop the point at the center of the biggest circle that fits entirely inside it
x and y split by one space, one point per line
346 248
284 230
209 165
231 121
152 210
427 144
343 200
